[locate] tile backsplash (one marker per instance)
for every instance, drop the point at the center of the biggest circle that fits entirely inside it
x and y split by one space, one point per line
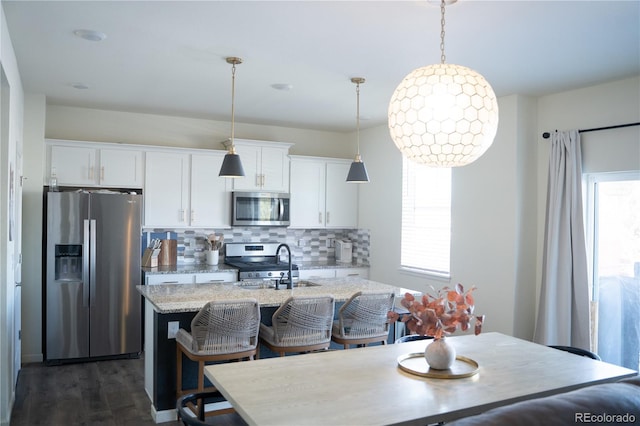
307 245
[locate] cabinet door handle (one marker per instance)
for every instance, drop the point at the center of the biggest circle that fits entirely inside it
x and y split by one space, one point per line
101 173
320 218
263 181
193 216
182 217
327 217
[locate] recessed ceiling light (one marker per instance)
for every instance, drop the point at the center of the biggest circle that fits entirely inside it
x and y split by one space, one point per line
282 86
90 35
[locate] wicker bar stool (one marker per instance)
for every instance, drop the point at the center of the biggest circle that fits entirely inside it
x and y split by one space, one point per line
363 319
220 331
300 324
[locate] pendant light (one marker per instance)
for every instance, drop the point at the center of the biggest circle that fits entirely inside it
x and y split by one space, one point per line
358 171
231 165
443 115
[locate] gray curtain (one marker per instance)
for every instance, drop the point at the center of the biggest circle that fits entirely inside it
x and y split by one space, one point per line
563 311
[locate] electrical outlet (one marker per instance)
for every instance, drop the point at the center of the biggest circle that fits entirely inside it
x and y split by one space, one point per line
301 243
330 242
174 326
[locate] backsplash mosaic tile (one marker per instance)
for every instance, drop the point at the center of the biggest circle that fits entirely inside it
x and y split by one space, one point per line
307 245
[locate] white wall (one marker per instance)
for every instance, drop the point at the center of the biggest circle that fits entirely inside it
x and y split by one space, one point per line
602 105
148 129
10 149
34 117
487 219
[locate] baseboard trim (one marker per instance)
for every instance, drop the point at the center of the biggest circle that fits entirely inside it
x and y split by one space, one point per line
163 415
31 358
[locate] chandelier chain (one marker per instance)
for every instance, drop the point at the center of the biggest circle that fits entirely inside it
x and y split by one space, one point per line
442 56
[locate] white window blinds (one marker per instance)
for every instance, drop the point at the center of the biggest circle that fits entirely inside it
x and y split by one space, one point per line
426 218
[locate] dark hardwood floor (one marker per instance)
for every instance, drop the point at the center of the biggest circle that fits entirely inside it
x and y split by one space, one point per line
92 393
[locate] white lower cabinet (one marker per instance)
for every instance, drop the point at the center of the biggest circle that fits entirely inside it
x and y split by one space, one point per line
352 272
216 277
309 274
192 278
154 279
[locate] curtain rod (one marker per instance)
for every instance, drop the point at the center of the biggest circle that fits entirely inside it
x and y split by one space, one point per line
546 135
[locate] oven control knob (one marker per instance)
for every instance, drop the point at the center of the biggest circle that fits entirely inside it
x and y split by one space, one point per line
270 274
250 274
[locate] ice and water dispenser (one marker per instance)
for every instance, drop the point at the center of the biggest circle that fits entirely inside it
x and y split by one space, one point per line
68 266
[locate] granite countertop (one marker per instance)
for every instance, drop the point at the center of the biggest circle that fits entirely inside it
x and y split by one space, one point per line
190 268
202 268
175 298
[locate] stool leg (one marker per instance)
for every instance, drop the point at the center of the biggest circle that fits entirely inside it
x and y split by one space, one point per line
200 376
178 371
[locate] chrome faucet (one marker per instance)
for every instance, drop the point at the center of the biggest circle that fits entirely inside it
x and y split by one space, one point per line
290 277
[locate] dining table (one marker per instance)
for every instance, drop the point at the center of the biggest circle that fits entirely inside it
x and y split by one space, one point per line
376 386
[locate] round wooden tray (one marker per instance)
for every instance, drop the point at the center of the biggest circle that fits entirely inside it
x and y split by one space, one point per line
415 363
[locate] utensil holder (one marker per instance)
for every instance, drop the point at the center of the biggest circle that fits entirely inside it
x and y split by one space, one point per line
212 257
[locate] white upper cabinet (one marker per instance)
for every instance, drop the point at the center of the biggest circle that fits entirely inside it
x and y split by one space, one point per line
266 166
210 195
120 168
166 189
341 197
93 164
182 189
320 195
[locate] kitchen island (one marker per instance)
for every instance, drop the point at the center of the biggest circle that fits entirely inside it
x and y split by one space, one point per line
172 306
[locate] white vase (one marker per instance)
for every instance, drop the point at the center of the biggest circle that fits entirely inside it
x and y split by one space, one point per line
440 354
213 257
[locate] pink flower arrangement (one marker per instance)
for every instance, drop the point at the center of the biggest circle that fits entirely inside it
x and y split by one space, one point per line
441 315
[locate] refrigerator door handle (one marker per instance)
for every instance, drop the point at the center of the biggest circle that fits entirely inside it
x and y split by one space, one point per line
85 263
92 273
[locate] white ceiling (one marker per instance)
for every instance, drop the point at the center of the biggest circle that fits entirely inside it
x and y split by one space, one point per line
168 57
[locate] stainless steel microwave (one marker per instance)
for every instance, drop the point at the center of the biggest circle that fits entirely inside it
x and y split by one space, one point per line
260 209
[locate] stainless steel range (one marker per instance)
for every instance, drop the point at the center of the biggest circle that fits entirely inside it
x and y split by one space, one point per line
258 261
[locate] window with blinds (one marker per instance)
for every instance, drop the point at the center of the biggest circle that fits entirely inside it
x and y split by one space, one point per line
426 218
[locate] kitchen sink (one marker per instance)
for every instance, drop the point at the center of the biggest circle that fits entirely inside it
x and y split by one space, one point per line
262 285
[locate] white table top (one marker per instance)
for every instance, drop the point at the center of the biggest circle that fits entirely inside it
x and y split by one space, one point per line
365 386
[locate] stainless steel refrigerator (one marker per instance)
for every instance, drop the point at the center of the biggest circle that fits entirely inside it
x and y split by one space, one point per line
92 263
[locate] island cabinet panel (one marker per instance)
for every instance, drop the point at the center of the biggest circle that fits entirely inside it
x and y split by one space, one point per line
92 164
320 195
266 166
